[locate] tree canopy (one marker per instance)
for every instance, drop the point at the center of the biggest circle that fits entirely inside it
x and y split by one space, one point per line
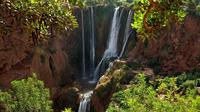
39 17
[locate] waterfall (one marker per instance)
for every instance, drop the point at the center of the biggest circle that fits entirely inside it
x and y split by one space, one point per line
85 102
111 50
83 46
127 32
92 43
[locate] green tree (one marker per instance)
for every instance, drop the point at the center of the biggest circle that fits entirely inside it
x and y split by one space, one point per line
27 95
40 18
152 15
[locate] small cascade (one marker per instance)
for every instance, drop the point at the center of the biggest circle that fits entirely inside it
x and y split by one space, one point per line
127 32
92 43
85 102
111 51
83 46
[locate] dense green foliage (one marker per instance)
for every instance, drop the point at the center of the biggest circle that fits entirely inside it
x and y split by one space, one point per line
152 15
41 18
27 95
169 94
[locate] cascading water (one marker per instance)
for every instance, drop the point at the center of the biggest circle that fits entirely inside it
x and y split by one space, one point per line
111 50
127 32
85 102
92 43
83 46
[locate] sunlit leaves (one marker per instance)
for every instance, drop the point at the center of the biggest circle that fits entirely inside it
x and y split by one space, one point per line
161 95
27 95
67 110
181 14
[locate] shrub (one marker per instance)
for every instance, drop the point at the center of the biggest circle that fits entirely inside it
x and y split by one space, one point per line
164 96
27 95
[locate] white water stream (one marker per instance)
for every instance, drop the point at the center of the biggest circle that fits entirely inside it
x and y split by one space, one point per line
85 102
83 45
111 50
92 43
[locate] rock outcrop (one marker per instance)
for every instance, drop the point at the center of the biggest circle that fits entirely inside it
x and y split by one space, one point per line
67 98
106 86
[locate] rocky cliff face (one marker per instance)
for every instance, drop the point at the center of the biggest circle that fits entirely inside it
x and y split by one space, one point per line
176 49
14 56
19 58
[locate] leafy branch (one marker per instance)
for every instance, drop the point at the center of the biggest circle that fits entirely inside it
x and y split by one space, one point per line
153 15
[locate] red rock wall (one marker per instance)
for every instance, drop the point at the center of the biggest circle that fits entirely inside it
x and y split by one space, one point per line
19 60
177 49
13 58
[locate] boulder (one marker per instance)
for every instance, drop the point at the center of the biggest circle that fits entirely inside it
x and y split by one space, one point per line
67 98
